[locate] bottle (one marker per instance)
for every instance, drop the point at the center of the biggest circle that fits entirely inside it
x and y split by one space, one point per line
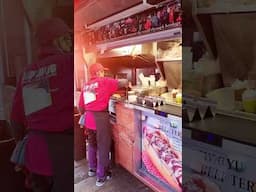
179 98
249 100
152 80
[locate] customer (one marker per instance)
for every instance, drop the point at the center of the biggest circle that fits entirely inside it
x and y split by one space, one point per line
94 103
43 107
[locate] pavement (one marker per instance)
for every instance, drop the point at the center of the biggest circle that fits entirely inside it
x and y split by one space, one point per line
122 181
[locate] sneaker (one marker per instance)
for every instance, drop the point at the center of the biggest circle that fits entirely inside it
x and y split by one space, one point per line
109 175
91 173
100 182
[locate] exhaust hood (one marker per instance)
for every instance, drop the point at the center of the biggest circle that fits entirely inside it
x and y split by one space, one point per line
168 49
140 55
131 50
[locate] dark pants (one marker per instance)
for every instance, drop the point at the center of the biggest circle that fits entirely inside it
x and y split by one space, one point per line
100 144
61 152
40 183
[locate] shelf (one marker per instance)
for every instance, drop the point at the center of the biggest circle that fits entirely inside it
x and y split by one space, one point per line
222 6
218 126
138 39
225 10
238 114
168 60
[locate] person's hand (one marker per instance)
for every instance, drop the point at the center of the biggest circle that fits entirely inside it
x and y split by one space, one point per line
116 96
122 83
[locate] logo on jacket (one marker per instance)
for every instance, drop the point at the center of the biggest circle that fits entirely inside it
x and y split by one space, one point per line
39 74
90 92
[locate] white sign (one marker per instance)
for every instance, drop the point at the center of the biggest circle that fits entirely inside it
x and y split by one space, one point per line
228 169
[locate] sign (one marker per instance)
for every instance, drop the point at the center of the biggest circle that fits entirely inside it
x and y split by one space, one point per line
161 150
164 17
226 167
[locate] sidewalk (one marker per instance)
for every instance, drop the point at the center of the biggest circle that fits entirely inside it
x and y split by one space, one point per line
122 181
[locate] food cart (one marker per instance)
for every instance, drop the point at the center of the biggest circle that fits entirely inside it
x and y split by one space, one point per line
146 120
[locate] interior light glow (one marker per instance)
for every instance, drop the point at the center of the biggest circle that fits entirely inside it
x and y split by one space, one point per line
128 50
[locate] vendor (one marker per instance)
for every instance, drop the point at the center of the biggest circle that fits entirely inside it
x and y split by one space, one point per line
93 102
40 109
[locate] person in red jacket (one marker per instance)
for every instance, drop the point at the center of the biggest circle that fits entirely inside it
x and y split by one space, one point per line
148 23
93 104
171 15
43 107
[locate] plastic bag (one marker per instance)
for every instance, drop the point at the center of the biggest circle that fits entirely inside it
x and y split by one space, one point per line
82 120
18 154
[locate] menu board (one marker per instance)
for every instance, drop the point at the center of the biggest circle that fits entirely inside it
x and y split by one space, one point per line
162 17
217 166
161 150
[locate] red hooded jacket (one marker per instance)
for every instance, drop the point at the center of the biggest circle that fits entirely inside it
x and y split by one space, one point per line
44 101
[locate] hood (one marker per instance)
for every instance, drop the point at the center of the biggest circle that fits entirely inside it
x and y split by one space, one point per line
48 51
141 55
164 50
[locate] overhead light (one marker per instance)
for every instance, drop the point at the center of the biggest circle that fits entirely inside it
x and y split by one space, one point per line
128 50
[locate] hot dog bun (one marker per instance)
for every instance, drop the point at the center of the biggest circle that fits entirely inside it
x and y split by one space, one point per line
167 170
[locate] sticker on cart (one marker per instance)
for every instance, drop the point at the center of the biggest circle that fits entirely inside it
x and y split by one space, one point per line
160 157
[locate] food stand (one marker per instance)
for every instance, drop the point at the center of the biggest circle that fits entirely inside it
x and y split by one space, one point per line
219 149
146 120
